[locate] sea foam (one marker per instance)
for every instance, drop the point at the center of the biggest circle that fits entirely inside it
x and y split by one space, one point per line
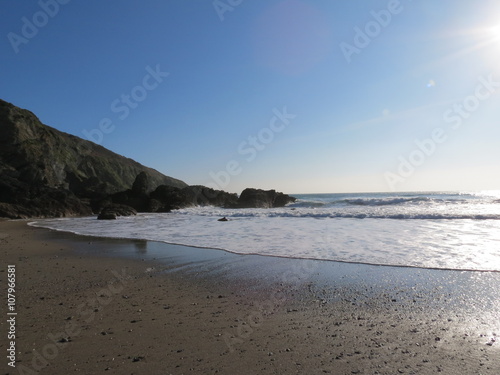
436 230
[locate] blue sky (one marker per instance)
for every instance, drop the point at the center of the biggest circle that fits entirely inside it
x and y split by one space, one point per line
300 96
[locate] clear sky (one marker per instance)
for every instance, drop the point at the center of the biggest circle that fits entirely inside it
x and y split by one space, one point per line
300 96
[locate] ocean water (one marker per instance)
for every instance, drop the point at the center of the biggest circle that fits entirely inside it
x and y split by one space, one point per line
444 230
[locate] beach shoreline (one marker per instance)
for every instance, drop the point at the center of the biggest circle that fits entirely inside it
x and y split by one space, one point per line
89 305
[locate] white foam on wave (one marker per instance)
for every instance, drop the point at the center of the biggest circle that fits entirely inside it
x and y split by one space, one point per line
450 244
433 230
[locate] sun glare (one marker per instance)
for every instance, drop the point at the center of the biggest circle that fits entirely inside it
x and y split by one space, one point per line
495 32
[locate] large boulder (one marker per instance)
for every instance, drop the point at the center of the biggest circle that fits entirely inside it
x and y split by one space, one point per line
139 201
111 211
125 203
258 198
141 183
167 198
198 195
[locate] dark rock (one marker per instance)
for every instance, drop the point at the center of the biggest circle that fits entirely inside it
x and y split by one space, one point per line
122 209
106 215
168 198
47 173
258 198
141 184
20 200
198 195
42 154
153 205
139 201
111 211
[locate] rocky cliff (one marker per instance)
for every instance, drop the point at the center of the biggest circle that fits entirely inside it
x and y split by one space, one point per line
45 172
167 198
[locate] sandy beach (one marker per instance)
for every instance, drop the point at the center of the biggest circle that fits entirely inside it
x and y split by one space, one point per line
88 305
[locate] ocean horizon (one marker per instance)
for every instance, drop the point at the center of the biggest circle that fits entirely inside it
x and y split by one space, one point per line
441 230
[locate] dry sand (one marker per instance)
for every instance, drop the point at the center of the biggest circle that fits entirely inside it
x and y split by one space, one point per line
82 309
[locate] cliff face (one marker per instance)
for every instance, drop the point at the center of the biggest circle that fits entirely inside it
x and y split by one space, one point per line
47 173
38 154
36 160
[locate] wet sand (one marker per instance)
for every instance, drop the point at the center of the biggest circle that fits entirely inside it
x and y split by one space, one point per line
88 305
